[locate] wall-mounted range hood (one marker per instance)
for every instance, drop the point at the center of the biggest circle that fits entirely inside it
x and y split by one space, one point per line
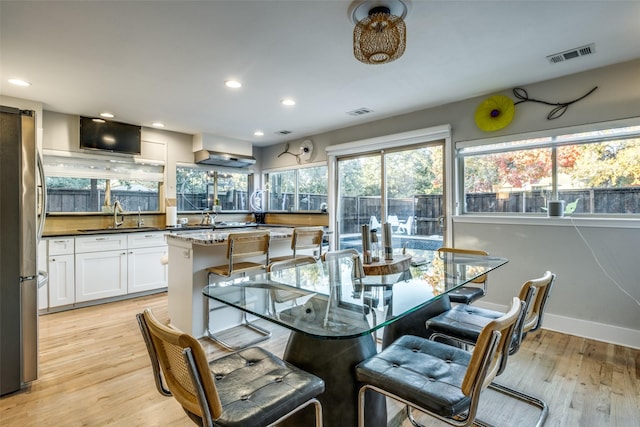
216 150
215 158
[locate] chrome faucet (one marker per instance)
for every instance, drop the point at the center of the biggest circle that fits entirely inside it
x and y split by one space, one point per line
140 220
117 208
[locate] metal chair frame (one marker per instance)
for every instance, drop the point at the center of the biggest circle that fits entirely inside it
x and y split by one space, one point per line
241 246
530 320
485 361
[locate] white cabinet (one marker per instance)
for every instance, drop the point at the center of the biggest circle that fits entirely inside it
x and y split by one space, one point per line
60 267
100 267
145 270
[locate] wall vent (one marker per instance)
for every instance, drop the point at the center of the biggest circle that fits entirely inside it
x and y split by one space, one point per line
283 132
572 53
359 112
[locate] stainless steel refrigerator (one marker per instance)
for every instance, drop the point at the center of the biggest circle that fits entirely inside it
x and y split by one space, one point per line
22 208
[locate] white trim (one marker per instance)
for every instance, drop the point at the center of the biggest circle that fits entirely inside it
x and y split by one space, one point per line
582 328
630 121
567 221
296 167
390 141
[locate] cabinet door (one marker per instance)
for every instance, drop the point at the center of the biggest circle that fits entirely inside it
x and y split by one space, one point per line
101 275
61 280
145 271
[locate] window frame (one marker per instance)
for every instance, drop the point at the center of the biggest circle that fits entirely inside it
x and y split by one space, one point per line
549 139
250 173
296 169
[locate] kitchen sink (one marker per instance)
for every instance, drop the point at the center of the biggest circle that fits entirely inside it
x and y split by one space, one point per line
118 230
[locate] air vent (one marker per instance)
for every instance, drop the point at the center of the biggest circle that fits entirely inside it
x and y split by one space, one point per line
572 53
359 112
283 132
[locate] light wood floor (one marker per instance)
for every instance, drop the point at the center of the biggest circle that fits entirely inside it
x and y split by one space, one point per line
94 371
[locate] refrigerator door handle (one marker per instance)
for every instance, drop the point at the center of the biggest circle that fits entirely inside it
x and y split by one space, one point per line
42 196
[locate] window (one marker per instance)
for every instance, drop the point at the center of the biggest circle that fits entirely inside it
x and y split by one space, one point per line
303 189
201 188
594 172
93 184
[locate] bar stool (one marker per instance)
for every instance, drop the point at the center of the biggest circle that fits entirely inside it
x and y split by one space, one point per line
304 238
249 388
242 250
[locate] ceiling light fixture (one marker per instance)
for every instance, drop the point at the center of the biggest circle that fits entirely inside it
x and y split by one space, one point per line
19 82
157 125
107 115
380 34
288 102
233 84
258 133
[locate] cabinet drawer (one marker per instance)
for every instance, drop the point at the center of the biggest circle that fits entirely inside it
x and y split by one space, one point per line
63 246
101 243
145 240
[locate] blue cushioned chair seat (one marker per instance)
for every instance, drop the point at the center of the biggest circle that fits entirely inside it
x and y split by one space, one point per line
424 372
464 321
260 395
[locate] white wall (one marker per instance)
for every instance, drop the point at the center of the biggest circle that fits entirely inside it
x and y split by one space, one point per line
585 301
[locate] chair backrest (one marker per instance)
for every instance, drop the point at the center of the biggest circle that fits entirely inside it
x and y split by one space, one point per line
307 238
334 257
491 348
290 263
185 368
540 290
246 245
444 250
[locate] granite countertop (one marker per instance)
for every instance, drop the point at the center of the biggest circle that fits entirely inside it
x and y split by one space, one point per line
212 237
194 227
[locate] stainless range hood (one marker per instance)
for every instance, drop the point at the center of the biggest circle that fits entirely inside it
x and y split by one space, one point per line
215 158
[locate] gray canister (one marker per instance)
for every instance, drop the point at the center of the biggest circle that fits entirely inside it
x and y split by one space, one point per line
555 208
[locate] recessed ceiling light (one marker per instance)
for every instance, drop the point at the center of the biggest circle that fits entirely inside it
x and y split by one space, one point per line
107 115
233 84
19 82
157 125
258 133
98 120
288 102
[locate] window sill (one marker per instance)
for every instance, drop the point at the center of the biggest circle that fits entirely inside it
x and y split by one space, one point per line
567 221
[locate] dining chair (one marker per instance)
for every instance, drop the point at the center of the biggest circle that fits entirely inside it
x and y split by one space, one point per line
248 388
468 293
247 252
440 380
284 295
304 238
463 323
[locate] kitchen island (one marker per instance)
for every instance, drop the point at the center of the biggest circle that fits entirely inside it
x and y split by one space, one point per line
190 254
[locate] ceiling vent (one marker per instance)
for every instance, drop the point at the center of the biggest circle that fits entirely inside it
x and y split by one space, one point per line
572 53
283 132
359 112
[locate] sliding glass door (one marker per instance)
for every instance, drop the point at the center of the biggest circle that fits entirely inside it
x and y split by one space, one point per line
402 186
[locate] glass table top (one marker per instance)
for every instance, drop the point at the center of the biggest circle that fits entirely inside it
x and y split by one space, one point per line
324 300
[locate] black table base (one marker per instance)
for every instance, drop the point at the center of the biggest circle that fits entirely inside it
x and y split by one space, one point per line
334 361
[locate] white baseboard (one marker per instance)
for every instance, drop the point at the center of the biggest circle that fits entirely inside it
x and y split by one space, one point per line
582 328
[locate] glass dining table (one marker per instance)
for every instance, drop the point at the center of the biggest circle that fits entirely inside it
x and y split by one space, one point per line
337 320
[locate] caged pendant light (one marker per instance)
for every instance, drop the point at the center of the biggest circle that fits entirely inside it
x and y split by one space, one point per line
379 36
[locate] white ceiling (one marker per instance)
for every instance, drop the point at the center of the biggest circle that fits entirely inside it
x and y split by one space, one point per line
166 61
